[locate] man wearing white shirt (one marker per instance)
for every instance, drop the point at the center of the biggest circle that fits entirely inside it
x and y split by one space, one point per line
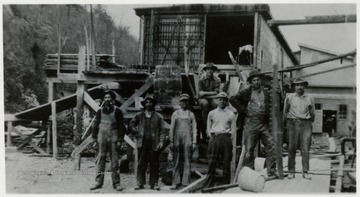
220 128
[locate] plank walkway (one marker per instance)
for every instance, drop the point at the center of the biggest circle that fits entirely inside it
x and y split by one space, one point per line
319 184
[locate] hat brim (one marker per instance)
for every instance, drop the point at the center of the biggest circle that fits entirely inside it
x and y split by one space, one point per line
255 75
303 82
153 100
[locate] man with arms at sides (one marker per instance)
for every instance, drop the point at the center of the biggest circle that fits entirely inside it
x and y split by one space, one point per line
108 132
299 113
148 128
221 127
183 137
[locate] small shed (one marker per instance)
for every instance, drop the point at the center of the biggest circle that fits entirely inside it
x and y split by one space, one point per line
206 32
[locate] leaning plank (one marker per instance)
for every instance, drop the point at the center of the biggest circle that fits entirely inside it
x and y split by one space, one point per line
90 101
82 146
339 175
129 141
192 185
149 82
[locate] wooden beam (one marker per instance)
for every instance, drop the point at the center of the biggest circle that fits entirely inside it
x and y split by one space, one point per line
119 98
330 70
148 84
193 185
48 137
90 101
113 49
350 18
340 175
276 123
13 118
54 128
298 67
27 139
30 143
9 129
87 48
129 141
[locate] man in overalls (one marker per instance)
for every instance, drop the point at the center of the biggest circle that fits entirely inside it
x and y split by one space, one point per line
108 132
183 137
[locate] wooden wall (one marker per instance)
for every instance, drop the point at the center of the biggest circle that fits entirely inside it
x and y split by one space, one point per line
269 50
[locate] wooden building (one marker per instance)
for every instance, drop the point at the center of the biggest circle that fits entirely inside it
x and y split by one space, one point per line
333 86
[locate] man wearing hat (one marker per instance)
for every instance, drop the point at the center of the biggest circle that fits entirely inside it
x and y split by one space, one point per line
183 137
108 132
209 86
299 113
220 128
253 107
148 129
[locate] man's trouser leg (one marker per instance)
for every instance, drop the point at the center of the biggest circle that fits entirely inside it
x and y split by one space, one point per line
100 166
154 168
176 159
187 152
305 143
294 138
141 168
227 149
213 152
115 176
251 139
267 141
205 109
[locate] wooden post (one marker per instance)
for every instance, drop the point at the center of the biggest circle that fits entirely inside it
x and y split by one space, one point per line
232 164
79 104
48 137
54 131
276 123
113 50
87 49
10 128
93 48
257 27
50 99
141 38
59 47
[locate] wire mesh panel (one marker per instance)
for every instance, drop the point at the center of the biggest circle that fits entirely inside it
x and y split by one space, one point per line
167 38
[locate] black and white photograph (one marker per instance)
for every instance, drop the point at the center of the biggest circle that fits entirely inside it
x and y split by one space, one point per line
106 97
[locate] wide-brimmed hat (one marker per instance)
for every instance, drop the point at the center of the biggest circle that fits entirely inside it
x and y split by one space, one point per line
184 97
149 97
222 95
112 94
210 66
254 73
299 80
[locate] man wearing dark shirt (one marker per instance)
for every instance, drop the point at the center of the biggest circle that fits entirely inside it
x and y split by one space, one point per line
252 105
148 128
209 87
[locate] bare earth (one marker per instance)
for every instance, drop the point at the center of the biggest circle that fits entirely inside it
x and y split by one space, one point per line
45 175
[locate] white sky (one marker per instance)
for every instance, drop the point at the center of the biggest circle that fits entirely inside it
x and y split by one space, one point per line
339 38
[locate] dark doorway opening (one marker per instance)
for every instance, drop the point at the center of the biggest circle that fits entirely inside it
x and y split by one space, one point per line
329 121
228 33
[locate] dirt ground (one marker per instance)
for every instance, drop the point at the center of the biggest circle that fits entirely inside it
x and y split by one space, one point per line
44 175
26 174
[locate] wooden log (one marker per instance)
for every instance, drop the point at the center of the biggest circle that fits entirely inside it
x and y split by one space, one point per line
350 18
277 129
54 128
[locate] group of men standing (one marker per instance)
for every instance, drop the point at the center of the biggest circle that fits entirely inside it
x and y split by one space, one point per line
253 107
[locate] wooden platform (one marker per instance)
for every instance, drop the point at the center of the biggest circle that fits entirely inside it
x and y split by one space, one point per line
319 184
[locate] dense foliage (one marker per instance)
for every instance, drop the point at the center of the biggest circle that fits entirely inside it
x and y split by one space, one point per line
30 32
